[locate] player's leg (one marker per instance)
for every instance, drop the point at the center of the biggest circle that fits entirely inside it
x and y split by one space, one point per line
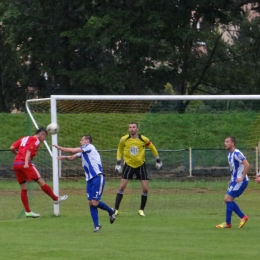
127 174
230 195
229 208
21 176
238 189
144 197
98 185
93 209
143 175
24 197
228 199
94 215
46 188
25 200
33 174
120 194
237 210
243 217
236 192
93 198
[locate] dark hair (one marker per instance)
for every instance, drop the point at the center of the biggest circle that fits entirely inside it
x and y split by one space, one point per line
233 139
41 129
88 137
134 123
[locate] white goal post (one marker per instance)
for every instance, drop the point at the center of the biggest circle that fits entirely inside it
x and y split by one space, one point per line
53 111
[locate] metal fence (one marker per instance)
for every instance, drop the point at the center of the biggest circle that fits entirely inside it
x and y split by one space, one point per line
176 163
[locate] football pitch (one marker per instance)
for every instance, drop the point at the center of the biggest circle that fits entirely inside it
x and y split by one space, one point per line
180 224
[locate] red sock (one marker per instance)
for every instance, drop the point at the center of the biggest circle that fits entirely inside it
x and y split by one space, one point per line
46 188
25 200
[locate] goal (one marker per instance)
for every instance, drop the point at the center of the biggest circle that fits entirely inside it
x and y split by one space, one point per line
190 141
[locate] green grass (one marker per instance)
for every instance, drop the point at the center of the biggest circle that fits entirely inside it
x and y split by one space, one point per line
170 131
180 215
167 131
179 224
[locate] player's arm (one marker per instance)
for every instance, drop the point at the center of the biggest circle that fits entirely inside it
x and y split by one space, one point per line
119 155
120 150
257 178
15 146
67 149
13 149
152 148
155 153
68 157
246 170
27 158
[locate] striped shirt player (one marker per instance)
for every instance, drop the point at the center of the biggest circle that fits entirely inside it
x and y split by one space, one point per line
131 149
91 161
239 168
92 165
25 150
235 160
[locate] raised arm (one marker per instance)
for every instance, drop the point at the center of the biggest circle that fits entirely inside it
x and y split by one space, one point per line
68 157
68 150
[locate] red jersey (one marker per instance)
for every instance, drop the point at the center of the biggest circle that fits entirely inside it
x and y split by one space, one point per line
27 143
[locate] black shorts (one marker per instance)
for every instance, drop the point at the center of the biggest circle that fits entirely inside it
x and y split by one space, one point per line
140 172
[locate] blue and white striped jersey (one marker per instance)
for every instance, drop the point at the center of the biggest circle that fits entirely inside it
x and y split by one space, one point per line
235 160
91 161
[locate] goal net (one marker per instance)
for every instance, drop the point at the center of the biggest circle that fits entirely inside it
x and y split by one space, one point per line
190 139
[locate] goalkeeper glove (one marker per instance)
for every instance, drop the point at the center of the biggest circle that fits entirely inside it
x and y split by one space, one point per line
118 167
158 164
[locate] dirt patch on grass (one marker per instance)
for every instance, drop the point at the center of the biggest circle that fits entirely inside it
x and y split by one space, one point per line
113 191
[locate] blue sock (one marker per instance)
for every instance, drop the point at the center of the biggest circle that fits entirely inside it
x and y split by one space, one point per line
102 205
237 210
94 215
229 209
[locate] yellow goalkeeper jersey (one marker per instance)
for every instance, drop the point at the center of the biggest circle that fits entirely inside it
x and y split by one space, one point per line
133 150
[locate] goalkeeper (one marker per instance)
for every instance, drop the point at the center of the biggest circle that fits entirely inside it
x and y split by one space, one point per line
132 149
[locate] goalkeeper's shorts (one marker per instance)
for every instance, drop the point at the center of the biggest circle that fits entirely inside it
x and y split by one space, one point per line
140 172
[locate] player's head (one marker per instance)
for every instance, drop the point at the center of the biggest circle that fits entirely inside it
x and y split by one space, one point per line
86 139
133 128
41 133
230 142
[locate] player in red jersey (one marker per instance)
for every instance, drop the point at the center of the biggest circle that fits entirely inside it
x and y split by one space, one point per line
25 149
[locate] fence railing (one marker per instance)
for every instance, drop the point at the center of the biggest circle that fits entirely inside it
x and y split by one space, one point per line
176 163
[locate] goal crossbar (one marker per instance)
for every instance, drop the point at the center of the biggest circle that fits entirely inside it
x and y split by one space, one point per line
156 97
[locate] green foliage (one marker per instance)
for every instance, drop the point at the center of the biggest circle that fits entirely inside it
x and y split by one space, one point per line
168 90
118 47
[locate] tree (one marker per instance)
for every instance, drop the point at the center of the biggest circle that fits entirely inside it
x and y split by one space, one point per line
12 93
122 47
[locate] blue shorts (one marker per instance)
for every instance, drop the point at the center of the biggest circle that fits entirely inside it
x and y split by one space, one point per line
95 187
235 189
